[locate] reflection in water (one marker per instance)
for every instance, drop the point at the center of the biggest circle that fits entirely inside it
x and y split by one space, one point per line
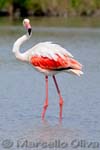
48 136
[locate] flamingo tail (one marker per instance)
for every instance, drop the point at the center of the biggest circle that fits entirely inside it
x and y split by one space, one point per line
74 71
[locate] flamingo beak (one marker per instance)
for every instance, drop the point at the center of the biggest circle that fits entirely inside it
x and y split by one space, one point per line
28 27
29 31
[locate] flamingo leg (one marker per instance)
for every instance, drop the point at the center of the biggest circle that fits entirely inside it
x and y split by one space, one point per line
46 100
60 97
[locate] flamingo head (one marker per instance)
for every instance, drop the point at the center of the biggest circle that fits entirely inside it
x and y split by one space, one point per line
26 24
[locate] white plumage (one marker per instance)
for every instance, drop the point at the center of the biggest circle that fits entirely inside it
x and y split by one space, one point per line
50 50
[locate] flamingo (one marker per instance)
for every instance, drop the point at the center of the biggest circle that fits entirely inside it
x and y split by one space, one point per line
49 59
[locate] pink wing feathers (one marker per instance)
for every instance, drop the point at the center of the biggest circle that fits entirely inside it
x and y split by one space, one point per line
51 64
51 56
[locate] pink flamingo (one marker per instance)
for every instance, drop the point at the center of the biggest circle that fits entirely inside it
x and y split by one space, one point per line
49 59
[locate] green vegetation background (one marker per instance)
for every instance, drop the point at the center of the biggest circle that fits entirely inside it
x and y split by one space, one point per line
50 7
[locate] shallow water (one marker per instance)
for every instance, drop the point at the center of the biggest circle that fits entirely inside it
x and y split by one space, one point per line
22 93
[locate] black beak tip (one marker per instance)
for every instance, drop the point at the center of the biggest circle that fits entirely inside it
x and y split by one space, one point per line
29 31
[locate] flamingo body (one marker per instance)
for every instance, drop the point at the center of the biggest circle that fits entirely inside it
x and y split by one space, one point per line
48 58
55 63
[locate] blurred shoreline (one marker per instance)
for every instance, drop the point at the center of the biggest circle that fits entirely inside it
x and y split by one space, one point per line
54 22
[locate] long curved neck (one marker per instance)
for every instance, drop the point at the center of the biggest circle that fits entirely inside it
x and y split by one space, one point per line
17 45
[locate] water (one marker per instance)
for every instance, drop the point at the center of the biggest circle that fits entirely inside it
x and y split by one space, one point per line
22 93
